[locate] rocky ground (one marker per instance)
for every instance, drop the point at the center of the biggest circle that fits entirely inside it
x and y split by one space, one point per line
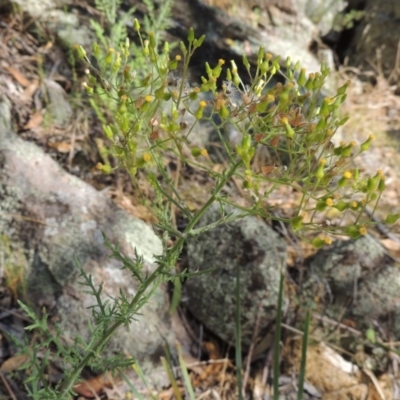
54 205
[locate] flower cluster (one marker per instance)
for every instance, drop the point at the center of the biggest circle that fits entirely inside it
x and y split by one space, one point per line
295 121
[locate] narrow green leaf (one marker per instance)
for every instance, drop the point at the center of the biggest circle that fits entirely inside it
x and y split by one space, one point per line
142 377
392 218
176 295
172 379
277 342
131 387
185 374
238 336
302 373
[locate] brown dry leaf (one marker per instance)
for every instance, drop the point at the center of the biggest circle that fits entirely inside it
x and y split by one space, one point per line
217 167
13 363
213 350
392 246
34 121
30 91
266 169
193 364
93 385
18 76
260 390
49 45
356 392
386 385
137 210
275 141
331 374
381 389
208 375
61 147
167 394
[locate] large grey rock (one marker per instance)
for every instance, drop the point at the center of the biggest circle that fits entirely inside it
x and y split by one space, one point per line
359 276
64 25
258 251
322 13
49 218
374 44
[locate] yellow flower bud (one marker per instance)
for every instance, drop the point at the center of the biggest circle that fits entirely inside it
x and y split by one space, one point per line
329 202
347 175
80 51
363 230
136 25
109 56
146 157
366 145
196 152
199 113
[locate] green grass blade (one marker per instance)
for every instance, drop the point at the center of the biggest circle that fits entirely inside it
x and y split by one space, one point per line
238 336
140 374
185 374
172 379
131 387
302 373
176 295
277 342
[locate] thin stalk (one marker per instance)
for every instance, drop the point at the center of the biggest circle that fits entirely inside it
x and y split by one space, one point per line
92 350
277 342
186 59
186 377
131 386
212 198
172 200
171 377
172 187
302 373
238 336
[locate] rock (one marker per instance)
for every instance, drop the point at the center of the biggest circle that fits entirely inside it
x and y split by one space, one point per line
50 218
322 13
376 37
69 29
59 108
259 252
35 8
230 36
360 276
66 26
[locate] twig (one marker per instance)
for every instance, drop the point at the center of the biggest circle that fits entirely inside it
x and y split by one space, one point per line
334 347
18 216
336 324
382 228
375 382
265 374
11 393
222 387
176 183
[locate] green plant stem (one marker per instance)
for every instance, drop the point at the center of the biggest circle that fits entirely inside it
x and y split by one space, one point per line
277 341
187 57
168 181
133 307
238 336
303 362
